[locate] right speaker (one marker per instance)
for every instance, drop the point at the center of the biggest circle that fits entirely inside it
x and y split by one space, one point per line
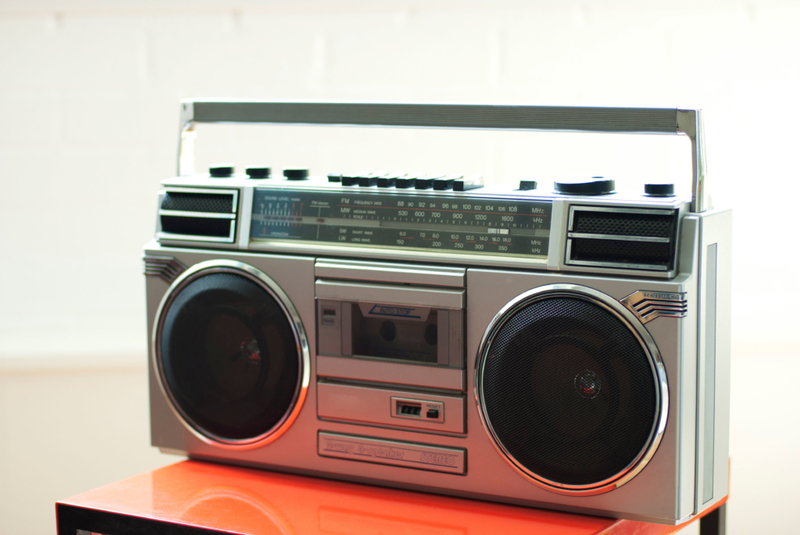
571 389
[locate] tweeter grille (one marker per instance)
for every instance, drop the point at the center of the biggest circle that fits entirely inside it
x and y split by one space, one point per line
193 214
570 391
229 353
622 238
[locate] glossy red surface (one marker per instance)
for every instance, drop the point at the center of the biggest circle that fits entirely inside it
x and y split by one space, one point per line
258 502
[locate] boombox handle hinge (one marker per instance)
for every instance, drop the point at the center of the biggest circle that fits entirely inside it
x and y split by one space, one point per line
465 116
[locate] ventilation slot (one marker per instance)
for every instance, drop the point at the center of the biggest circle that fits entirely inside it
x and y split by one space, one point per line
626 238
198 215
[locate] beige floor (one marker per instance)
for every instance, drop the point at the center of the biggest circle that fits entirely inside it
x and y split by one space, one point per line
63 432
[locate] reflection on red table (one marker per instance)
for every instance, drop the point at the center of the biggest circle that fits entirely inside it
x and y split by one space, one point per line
242 500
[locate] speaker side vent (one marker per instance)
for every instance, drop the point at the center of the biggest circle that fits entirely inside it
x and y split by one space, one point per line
207 215
627 238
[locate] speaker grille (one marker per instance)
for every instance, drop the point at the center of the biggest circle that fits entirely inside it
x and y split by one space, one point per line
229 357
221 203
622 238
622 252
196 226
568 391
623 224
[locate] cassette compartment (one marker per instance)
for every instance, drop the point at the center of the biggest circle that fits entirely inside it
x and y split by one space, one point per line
401 323
390 323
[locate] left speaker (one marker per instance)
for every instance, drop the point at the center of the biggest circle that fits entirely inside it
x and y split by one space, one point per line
230 354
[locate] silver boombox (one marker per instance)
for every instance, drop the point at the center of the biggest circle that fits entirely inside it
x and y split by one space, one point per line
567 349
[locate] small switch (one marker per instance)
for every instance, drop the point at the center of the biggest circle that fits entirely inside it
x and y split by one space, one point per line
432 413
527 185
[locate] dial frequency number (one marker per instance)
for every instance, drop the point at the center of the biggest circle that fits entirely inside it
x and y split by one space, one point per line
456 224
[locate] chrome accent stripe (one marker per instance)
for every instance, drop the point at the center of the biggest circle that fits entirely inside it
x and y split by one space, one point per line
166 267
648 345
271 287
617 237
202 215
647 305
390 272
618 265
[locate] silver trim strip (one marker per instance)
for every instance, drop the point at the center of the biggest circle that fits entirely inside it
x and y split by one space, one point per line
388 272
396 373
617 237
648 345
392 452
271 287
398 295
203 215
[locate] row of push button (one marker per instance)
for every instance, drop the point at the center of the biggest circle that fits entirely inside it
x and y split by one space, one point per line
596 185
409 181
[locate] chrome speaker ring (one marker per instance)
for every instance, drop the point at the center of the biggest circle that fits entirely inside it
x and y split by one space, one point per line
264 282
647 344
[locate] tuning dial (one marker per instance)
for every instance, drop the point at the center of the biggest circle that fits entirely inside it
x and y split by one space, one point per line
596 185
295 174
221 170
659 190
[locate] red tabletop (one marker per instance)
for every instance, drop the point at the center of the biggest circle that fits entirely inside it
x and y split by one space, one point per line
226 499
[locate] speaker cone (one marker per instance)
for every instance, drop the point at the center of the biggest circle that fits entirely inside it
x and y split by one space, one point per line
230 353
572 393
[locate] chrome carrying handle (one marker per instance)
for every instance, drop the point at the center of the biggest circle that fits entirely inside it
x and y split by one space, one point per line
469 116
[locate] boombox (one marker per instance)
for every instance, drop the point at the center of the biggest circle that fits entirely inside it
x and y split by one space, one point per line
566 348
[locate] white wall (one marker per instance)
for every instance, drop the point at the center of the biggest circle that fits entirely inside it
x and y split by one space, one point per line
88 126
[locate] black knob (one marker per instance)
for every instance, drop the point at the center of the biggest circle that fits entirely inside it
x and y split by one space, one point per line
659 190
221 170
258 172
596 185
527 185
295 174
